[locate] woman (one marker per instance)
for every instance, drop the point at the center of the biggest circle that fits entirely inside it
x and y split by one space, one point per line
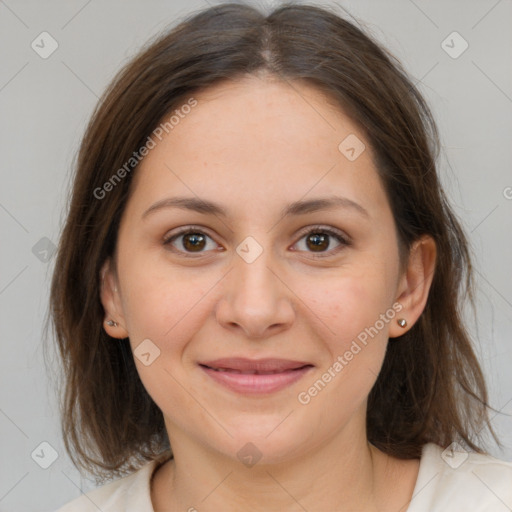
258 286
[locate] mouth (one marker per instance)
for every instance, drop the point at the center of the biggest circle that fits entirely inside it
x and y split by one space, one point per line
251 376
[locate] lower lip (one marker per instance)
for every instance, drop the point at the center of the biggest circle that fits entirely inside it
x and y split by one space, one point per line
256 383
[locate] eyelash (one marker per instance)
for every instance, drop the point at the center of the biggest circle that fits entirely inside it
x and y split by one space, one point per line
312 230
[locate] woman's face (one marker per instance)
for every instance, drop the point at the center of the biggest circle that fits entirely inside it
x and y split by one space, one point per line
255 282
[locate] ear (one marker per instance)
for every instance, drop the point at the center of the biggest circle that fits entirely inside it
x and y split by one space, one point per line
111 301
415 282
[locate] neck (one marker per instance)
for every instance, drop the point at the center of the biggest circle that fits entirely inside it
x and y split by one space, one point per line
344 474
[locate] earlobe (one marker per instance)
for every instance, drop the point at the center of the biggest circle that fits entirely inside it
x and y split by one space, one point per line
415 284
113 322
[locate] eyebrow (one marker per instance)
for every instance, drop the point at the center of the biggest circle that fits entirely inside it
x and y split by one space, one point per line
296 208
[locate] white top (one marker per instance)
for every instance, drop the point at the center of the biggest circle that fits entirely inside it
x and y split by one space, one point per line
464 482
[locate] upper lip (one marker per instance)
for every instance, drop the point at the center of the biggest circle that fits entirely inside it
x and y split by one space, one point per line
255 365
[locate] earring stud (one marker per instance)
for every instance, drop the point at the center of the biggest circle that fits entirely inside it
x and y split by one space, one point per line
402 322
111 323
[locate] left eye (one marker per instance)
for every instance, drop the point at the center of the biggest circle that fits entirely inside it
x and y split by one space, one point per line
317 240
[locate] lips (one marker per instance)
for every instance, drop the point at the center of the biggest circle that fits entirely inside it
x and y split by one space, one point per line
254 366
255 377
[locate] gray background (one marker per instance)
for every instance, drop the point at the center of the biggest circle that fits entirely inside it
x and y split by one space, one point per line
45 104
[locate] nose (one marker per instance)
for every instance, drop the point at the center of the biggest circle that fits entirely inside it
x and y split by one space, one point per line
255 298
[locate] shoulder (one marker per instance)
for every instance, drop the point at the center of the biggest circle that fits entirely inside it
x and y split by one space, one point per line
454 477
130 493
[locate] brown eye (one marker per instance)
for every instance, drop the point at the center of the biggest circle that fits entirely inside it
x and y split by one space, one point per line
189 241
193 241
319 240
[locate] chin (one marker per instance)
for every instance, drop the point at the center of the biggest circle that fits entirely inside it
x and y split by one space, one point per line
265 440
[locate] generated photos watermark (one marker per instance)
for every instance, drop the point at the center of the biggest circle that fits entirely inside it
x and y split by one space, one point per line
305 397
158 133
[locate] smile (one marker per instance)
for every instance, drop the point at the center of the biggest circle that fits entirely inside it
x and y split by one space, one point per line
262 376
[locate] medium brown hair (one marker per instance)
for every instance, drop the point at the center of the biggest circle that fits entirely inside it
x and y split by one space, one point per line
431 387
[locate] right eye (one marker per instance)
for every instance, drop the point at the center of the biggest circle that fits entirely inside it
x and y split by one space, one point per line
192 242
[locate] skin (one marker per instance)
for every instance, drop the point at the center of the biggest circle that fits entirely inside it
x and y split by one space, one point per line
254 145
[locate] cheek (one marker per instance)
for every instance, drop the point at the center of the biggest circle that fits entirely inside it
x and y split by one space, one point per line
164 306
167 309
161 303
349 305
355 341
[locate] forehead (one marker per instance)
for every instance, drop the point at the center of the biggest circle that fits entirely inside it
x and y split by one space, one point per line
239 116
258 141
